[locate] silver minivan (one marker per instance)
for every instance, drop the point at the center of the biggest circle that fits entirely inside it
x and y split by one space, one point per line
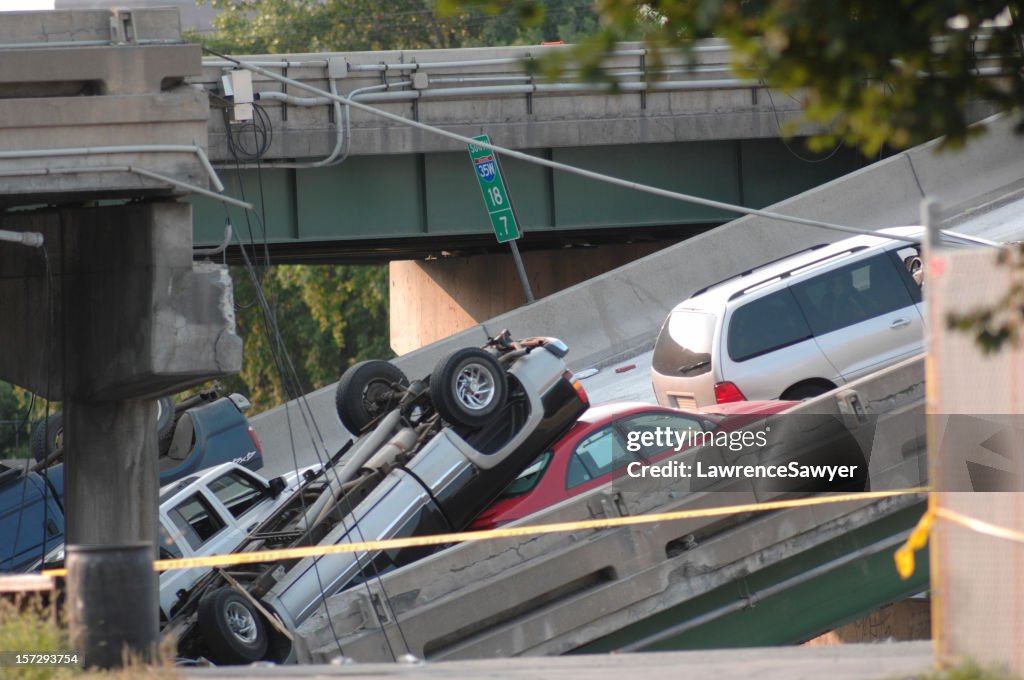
796 327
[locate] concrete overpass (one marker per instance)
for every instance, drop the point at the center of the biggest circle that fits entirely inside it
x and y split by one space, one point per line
347 186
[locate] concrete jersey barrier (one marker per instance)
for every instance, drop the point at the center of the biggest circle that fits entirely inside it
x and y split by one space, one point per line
621 311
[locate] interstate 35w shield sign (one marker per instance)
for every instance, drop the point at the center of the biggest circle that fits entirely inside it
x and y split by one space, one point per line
499 208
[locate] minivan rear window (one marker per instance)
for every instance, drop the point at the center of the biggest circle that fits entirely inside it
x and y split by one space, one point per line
684 344
766 324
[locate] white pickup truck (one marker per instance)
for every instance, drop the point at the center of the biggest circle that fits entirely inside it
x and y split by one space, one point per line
209 513
212 513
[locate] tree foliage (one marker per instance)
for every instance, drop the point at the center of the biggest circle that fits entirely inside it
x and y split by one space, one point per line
17 410
328 317
871 72
279 26
1000 323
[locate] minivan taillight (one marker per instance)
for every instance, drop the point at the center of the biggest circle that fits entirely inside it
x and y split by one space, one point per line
726 392
578 386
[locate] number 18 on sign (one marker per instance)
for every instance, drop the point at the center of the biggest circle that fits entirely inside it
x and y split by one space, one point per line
499 209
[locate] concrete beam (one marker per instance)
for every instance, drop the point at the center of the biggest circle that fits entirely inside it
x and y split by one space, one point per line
88 98
131 316
87 26
431 300
99 70
541 119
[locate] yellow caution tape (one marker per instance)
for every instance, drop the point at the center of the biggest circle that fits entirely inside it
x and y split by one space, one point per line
509 532
904 556
981 526
918 539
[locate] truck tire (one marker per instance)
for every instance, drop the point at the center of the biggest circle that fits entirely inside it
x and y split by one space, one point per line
468 387
231 628
47 436
365 392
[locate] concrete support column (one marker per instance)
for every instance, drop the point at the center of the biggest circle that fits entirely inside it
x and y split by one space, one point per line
431 300
115 316
111 472
110 505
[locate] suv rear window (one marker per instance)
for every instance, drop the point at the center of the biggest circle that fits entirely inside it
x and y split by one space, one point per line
766 324
684 344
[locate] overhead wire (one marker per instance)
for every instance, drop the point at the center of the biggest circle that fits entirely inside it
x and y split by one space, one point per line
288 372
555 165
290 377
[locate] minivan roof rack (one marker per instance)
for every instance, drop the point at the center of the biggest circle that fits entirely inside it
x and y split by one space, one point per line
760 266
786 274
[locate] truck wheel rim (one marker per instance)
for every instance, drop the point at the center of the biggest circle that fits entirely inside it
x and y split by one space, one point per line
474 387
241 622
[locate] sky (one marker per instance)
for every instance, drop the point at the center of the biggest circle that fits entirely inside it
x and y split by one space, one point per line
22 5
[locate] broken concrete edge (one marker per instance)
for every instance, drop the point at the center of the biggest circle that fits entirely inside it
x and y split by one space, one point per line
155 324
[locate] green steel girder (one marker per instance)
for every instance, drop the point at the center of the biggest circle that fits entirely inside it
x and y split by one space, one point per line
797 614
434 198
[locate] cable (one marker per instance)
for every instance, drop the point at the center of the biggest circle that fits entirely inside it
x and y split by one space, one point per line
47 343
675 195
46 346
289 375
268 321
263 133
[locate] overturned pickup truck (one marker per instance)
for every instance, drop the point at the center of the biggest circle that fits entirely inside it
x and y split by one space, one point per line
432 454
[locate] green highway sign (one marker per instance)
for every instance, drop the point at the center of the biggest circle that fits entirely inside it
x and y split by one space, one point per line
488 174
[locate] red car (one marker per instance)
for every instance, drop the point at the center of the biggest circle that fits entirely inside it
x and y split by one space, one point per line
595 451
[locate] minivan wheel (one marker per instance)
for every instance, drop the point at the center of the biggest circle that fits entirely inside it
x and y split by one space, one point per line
806 391
231 627
367 391
468 387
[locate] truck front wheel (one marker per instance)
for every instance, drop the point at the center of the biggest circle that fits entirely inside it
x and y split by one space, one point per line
231 628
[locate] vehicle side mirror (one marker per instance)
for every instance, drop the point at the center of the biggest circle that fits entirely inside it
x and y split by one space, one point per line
275 486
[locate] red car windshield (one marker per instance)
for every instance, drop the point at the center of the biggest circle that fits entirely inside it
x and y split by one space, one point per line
528 478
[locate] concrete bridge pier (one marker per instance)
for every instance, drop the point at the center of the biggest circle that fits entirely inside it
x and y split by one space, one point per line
433 299
110 316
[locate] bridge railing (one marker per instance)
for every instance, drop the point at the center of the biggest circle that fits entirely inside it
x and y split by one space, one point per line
491 89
